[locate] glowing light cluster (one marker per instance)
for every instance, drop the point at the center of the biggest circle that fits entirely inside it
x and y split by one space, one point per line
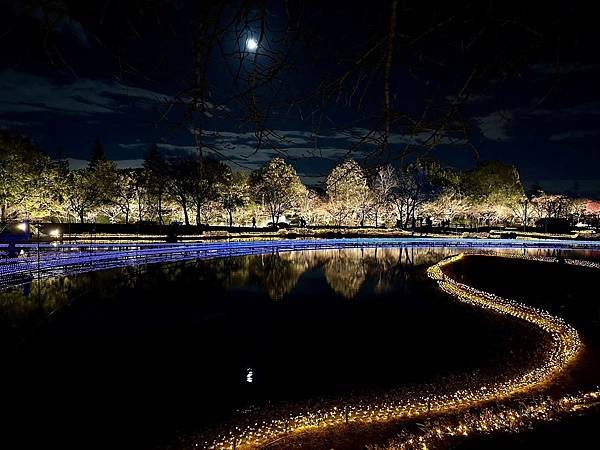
492 419
564 349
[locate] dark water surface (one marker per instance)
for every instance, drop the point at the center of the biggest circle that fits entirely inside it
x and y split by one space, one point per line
132 357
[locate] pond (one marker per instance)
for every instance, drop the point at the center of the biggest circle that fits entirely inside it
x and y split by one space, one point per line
136 356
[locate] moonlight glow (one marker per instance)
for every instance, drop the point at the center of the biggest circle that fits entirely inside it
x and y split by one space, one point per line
251 44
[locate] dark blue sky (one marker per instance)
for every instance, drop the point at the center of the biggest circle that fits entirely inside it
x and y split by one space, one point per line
88 70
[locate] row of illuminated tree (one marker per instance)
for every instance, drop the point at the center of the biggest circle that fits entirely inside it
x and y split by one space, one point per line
199 190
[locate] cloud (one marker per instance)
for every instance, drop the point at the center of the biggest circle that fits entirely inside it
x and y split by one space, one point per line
22 92
135 145
168 149
281 137
556 69
495 126
61 22
301 147
575 134
244 155
173 148
588 108
10 124
75 164
468 100
370 139
237 152
239 147
359 140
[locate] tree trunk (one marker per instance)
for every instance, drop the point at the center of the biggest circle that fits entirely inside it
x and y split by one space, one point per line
186 218
401 211
409 213
127 217
230 218
160 218
81 213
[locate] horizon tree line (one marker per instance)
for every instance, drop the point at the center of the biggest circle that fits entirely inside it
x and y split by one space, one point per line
198 190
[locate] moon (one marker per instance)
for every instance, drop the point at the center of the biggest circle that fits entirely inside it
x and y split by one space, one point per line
251 44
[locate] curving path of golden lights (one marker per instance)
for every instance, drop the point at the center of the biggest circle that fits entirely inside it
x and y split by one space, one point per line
493 418
565 347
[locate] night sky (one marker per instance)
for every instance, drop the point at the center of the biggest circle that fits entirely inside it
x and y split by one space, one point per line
72 72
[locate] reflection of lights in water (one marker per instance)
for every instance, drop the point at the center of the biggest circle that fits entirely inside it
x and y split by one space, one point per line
564 349
249 375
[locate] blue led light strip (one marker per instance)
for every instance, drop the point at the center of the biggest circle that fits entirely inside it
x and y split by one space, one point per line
69 259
